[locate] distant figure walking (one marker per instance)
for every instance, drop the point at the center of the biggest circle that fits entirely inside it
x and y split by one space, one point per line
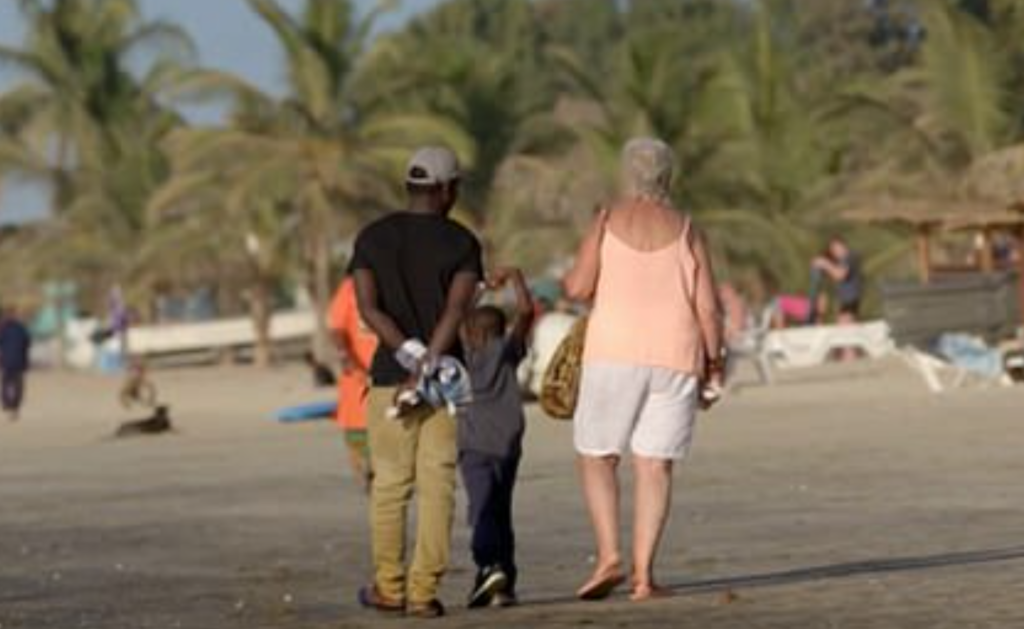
416 275
15 344
356 344
652 356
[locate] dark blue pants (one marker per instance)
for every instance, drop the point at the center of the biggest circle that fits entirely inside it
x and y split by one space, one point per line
489 481
12 389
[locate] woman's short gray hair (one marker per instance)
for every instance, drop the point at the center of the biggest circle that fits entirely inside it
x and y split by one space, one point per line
647 168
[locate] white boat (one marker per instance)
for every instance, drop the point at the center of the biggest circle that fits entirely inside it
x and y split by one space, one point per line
188 342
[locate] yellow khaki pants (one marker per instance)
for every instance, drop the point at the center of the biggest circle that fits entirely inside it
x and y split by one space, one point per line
412 455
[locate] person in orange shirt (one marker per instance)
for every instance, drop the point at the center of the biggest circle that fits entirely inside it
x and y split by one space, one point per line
356 345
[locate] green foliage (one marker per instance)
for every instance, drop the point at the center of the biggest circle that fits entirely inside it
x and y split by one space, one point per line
782 114
83 123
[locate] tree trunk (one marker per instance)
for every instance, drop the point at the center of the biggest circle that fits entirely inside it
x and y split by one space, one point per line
260 310
59 200
322 291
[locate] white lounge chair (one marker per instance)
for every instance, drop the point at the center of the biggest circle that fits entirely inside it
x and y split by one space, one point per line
751 347
811 346
941 375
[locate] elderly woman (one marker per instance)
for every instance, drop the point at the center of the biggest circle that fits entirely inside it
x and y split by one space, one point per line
652 356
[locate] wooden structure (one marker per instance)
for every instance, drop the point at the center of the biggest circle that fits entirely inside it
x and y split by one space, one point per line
928 217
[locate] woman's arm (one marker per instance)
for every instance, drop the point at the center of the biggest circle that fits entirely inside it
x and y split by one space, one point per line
581 281
708 307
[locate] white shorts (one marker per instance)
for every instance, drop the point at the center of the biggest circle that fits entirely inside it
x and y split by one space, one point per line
649 409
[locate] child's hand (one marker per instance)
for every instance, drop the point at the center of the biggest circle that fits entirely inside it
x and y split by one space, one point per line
501 276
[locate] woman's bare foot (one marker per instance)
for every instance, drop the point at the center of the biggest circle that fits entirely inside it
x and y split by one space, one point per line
648 591
603 582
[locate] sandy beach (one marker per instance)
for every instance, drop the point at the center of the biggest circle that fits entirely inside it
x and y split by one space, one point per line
843 498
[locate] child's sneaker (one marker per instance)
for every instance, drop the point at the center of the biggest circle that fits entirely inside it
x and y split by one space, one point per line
504 599
489 582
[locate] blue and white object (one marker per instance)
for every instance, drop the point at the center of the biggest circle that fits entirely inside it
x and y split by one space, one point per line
444 384
315 411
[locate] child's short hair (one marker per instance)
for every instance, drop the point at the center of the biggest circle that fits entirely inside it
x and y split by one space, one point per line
489 320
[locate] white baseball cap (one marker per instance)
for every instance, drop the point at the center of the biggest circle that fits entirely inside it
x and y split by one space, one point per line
432 165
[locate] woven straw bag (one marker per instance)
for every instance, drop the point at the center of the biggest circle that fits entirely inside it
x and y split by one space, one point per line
560 387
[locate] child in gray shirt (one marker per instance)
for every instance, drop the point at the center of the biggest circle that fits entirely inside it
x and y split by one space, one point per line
490 438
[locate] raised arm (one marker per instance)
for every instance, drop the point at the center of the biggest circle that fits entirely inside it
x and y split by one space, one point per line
581 281
522 323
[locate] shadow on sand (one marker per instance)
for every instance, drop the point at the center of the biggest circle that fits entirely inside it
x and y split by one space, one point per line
831 572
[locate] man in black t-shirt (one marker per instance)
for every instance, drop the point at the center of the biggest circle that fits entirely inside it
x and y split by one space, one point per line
416 274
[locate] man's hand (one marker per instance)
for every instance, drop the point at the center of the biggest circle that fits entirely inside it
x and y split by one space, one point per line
411 355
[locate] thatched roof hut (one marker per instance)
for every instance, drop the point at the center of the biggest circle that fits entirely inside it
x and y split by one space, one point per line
927 216
998 176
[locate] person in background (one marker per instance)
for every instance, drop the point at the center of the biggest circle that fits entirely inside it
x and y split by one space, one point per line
356 344
737 314
322 376
416 275
491 437
120 322
843 267
653 355
795 310
15 346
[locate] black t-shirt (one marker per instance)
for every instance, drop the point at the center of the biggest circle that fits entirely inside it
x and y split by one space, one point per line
414 258
849 290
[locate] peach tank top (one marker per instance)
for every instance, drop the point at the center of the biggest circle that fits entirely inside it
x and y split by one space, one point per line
643 309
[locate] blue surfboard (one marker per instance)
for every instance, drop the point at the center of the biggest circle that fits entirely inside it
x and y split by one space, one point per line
314 411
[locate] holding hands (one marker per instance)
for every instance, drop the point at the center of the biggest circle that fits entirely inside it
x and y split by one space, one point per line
501 276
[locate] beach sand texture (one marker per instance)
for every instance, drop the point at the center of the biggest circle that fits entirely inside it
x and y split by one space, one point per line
843 498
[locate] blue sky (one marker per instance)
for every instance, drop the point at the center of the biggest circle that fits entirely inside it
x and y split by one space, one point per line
228 37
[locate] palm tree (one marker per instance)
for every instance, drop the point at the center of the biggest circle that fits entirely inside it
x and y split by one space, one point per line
331 158
86 121
209 225
746 148
78 90
479 65
948 110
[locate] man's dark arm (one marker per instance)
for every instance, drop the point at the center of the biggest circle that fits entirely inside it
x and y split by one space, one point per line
460 299
837 271
379 321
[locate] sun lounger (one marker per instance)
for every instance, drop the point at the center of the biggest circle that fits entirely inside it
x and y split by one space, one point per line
962 362
752 347
812 345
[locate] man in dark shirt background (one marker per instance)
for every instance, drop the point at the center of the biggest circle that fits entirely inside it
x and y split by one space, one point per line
416 274
843 266
15 343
